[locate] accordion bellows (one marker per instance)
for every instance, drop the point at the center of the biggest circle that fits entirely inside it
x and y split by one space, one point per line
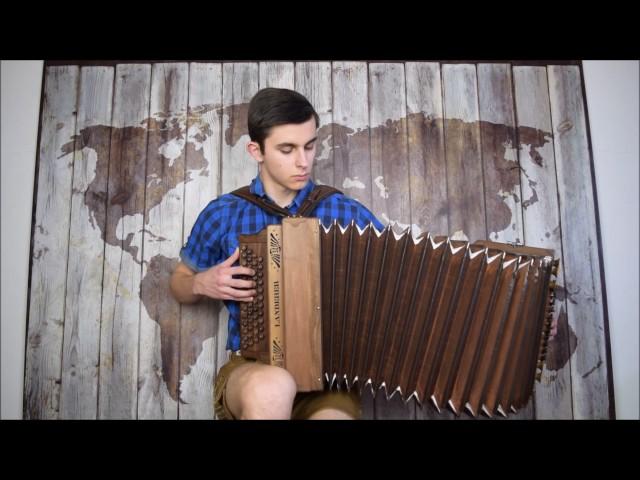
462 325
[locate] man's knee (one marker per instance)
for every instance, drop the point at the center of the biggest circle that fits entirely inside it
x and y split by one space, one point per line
266 392
331 414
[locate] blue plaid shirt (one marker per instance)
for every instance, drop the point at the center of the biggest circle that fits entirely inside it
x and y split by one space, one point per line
214 236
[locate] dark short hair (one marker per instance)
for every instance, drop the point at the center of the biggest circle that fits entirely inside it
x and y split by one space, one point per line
271 107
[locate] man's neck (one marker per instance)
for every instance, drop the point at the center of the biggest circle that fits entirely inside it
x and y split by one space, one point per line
280 195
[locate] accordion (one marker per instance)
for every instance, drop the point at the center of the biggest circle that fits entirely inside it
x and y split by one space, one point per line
462 325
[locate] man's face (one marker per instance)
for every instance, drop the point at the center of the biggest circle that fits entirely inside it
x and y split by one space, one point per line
289 151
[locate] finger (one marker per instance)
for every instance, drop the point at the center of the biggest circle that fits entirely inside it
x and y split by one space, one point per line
241 271
236 283
236 294
234 256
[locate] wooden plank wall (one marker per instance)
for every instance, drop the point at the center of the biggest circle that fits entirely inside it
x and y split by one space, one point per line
130 153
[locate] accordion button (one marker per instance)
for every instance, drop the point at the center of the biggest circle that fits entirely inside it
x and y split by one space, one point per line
261 336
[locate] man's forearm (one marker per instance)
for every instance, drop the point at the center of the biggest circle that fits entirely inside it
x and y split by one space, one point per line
182 288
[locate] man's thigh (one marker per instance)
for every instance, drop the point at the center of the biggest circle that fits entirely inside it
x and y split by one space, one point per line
227 407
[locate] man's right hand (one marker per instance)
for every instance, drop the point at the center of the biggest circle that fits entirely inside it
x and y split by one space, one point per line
218 281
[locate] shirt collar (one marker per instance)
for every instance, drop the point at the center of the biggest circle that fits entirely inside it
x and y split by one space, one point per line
257 188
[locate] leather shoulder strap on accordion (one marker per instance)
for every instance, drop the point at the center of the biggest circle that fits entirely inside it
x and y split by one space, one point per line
271 208
319 193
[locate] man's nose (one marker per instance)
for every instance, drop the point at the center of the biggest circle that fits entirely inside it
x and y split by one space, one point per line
301 159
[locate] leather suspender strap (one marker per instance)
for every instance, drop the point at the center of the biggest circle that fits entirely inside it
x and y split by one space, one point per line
319 193
271 208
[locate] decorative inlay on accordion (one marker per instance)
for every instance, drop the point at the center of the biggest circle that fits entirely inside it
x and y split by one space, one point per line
463 325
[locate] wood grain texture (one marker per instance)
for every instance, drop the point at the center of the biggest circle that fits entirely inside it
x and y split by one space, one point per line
301 299
463 153
585 311
199 322
80 360
351 152
239 85
119 328
49 254
541 219
158 377
425 129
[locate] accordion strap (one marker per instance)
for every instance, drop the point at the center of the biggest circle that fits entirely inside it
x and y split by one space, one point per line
319 193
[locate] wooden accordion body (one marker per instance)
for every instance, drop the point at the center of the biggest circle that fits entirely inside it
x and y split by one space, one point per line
464 325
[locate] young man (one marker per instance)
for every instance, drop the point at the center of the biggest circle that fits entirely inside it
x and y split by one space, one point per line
282 127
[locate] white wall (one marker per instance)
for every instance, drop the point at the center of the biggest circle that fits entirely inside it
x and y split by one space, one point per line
612 99
21 84
612 102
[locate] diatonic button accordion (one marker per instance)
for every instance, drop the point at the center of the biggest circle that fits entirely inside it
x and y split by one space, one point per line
462 325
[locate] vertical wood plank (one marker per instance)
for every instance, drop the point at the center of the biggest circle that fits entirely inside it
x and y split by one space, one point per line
199 328
541 219
240 83
499 153
276 75
589 364
313 80
80 359
390 175
388 127
463 152
119 329
50 246
425 128
159 376
351 155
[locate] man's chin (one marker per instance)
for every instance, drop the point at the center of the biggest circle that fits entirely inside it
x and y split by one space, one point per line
299 184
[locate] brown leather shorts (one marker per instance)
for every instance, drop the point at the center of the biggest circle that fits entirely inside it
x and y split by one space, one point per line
305 404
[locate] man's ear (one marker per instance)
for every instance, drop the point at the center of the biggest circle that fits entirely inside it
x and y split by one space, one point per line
254 150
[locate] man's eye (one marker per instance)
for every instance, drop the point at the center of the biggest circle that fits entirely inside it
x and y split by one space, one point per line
286 151
309 147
